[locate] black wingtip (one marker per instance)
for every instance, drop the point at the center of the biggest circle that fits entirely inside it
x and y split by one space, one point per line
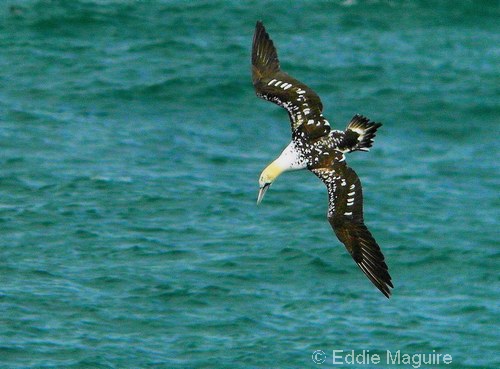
379 277
264 56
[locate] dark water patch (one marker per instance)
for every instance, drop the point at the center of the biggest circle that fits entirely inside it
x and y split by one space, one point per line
232 326
107 280
179 298
289 253
38 273
220 91
469 310
321 266
85 234
179 254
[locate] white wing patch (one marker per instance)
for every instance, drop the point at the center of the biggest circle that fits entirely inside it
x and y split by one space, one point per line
277 83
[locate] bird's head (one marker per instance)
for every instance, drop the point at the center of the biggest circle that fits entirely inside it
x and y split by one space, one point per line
267 177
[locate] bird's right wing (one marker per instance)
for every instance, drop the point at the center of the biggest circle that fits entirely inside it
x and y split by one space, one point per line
345 214
302 103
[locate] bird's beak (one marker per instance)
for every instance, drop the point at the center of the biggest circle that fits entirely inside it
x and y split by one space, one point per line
262 192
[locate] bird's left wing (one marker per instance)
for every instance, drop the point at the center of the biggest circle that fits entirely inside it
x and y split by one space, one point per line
302 103
345 214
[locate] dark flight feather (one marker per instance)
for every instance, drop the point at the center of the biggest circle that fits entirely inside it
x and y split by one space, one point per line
302 103
345 214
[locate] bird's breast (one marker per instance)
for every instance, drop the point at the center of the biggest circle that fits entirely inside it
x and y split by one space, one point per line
292 157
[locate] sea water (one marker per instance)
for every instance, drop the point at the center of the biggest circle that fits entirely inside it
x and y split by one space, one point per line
131 145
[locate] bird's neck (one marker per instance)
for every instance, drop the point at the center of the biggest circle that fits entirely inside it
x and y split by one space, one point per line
290 159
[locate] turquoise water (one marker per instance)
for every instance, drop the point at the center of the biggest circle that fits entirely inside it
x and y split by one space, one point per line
132 142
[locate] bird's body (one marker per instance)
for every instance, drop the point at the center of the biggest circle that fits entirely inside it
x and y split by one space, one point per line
318 148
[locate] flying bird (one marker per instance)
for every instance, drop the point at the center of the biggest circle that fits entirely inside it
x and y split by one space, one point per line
318 148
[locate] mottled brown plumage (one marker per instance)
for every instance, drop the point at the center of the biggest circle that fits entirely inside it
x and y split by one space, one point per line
345 214
321 150
302 103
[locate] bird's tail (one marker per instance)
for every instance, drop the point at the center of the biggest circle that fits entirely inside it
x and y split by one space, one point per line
365 130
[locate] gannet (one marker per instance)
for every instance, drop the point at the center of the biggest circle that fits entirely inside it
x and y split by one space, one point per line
318 148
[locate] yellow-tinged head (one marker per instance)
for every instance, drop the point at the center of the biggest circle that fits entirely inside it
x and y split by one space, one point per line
267 177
